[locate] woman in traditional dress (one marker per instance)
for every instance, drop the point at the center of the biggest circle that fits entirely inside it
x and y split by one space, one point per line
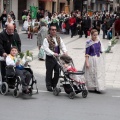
42 34
94 63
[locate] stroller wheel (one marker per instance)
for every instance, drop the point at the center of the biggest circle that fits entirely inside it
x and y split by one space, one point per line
84 93
72 95
30 92
56 91
37 90
4 88
16 93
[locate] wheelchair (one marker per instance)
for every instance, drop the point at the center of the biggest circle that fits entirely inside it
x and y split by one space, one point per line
14 82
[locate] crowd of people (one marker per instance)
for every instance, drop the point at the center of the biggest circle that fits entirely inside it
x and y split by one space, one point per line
77 23
47 27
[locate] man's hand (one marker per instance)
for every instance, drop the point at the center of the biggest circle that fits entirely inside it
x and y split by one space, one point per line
4 55
55 54
65 53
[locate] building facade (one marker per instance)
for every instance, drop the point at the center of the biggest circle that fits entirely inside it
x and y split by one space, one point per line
9 5
93 5
58 5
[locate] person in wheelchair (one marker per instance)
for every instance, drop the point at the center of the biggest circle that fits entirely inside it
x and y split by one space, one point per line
25 75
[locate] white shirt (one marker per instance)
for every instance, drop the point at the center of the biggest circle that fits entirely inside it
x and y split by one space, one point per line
50 52
10 61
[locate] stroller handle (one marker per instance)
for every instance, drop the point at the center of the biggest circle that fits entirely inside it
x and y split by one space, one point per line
75 73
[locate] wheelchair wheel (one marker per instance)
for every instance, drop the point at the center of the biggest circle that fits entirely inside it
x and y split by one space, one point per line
16 93
4 88
56 91
72 95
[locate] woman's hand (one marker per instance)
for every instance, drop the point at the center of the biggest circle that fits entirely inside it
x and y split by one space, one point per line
87 65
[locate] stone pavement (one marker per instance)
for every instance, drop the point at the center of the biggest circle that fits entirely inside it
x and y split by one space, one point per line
76 49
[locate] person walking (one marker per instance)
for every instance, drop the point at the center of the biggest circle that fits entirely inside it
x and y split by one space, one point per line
3 18
52 45
42 34
97 24
94 63
8 38
86 24
72 23
117 27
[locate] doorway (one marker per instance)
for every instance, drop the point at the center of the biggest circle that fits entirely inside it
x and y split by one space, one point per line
21 7
62 7
41 5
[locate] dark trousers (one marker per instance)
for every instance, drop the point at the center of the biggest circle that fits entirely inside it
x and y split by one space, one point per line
51 65
104 33
85 32
25 77
73 30
3 70
30 35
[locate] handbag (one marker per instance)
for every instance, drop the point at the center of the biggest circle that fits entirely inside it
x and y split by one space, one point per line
41 54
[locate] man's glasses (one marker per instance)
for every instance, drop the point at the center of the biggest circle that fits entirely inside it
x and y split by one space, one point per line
53 29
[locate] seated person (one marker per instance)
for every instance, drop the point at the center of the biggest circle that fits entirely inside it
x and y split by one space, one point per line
68 66
25 75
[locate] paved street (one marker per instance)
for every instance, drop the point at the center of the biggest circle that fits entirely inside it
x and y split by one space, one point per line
46 106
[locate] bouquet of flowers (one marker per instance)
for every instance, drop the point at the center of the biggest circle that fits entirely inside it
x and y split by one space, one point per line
24 57
28 56
111 43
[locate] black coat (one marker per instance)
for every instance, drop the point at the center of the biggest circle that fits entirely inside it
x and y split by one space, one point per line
96 24
6 41
87 23
3 18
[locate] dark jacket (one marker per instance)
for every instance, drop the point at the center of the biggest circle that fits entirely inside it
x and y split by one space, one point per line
96 24
87 23
6 41
3 18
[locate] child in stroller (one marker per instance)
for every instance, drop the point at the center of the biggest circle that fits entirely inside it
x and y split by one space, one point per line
25 75
73 76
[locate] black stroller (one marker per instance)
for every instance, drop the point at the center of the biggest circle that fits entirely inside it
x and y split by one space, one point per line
14 82
68 83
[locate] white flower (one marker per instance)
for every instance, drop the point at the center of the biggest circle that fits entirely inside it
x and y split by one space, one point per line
18 56
28 58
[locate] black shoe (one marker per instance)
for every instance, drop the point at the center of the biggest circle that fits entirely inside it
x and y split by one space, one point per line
26 91
49 89
98 92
